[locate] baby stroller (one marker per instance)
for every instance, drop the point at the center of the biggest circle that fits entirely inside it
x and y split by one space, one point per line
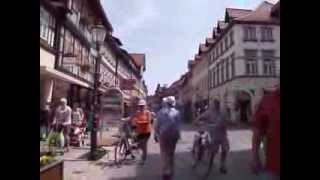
77 134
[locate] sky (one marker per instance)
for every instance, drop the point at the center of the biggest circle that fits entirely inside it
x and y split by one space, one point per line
167 31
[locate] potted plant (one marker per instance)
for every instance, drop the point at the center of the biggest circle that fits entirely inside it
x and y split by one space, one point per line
50 166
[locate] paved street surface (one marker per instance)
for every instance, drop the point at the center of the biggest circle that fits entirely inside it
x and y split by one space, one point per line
77 168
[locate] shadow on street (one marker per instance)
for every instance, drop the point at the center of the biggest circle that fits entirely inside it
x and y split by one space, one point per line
238 168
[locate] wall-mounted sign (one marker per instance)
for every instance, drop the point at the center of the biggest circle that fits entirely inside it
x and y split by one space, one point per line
112 105
127 84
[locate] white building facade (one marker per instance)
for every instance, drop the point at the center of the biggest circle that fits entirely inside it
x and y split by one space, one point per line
244 60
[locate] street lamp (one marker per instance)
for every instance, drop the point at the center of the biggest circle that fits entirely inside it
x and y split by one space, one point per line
99 34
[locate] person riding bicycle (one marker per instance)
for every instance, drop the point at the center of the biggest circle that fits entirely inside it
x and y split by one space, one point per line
217 127
201 140
141 120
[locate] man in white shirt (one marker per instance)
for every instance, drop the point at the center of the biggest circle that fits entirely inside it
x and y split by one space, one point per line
62 119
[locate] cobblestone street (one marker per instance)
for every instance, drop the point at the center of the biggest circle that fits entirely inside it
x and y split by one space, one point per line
104 169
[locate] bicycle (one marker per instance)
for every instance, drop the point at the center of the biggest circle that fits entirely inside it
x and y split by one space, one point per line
200 148
124 147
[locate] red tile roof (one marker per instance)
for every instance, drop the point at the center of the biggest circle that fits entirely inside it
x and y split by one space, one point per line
139 59
209 41
276 8
216 33
197 57
97 7
261 14
202 48
235 13
222 25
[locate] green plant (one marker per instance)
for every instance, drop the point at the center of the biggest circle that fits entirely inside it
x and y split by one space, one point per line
45 160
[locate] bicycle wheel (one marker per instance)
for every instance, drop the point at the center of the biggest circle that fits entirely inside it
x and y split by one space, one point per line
120 151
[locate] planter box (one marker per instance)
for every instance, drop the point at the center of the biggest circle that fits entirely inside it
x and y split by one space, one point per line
52 171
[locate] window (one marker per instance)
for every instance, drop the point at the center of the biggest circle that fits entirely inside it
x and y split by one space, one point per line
251 62
218 74
233 65
222 71
231 38
209 78
217 51
214 77
213 55
77 51
221 48
227 69
250 33
47 26
268 63
76 5
68 43
226 43
266 34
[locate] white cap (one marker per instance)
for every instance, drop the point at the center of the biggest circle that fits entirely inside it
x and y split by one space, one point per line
63 100
171 100
142 102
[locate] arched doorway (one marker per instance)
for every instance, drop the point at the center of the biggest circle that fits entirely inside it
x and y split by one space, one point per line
243 105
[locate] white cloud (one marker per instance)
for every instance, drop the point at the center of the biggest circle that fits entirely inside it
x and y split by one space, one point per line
146 11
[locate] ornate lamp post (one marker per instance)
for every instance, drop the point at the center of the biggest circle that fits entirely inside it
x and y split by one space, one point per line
99 34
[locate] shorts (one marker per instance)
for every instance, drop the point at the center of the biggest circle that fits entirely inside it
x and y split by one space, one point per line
143 136
66 129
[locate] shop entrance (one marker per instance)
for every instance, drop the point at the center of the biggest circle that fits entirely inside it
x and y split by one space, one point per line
244 106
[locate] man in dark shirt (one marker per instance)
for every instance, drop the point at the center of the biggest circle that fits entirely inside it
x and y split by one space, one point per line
217 127
44 121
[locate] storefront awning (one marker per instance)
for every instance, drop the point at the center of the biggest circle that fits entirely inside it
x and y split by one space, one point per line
62 76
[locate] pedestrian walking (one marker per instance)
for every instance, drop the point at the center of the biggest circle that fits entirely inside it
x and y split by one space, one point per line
167 132
217 128
77 115
266 126
141 120
62 119
45 115
89 115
